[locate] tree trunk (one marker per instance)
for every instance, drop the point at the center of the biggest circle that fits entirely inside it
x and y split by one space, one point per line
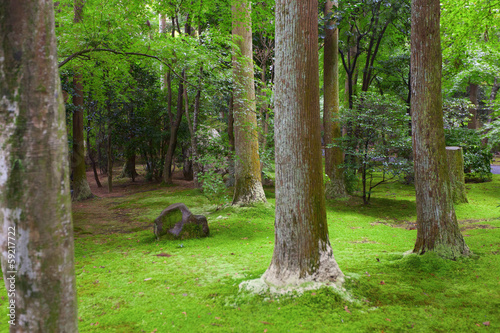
81 188
192 125
109 154
302 249
334 157
248 184
174 128
455 158
437 227
91 157
37 256
473 92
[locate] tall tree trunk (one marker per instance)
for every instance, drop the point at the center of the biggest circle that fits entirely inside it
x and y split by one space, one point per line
473 92
174 128
37 256
91 156
302 249
81 188
334 157
192 125
248 184
110 153
437 227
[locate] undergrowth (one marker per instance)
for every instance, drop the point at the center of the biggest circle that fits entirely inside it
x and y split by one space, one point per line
129 282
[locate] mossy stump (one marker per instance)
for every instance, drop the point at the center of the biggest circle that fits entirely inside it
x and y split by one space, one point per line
457 177
177 222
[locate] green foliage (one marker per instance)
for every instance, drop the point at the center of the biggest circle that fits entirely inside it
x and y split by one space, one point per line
377 139
213 149
477 156
492 134
456 112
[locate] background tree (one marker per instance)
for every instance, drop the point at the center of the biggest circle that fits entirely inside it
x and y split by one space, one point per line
437 227
248 186
302 249
334 157
81 188
35 205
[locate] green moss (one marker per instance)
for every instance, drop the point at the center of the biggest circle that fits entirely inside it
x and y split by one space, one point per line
125 287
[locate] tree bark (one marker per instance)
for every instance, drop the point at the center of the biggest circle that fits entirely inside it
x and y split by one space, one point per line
248 184
437 227
334 157
302 249
455 158
37 256
81 188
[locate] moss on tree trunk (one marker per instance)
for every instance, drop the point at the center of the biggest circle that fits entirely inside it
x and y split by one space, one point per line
302 249
437 227
455 159
334 157
248 185
35 205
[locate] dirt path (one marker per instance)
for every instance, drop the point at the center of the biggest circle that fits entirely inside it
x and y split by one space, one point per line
100 215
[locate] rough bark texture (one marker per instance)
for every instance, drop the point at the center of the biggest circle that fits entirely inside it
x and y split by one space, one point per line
248 185
473 92
302 251
437 227
35 204
334 157
81 188
455 158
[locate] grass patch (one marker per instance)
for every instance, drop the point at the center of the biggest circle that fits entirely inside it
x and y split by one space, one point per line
129 282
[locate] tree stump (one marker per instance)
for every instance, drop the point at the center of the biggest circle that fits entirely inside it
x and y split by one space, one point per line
457 177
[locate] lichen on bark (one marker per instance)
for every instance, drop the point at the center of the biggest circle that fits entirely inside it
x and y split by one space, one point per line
34 179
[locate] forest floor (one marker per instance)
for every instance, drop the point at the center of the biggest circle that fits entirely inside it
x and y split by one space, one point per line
127 281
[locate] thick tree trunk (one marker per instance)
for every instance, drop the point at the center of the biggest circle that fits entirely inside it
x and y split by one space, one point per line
248 184
81 188
302 249
473 92
334 157
37 254
437 227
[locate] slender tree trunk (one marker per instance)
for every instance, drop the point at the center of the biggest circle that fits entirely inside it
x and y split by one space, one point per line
192 125
473 92
37 256
437 227
91 157
334 157
174 128
248 184
81 188
302 249
110 153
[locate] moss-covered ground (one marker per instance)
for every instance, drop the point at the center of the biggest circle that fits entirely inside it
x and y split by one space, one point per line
129 282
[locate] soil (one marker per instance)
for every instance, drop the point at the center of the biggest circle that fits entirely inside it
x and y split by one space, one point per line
99 215
125 186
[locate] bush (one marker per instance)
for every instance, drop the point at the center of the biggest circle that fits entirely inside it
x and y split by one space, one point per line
477 156
377 140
